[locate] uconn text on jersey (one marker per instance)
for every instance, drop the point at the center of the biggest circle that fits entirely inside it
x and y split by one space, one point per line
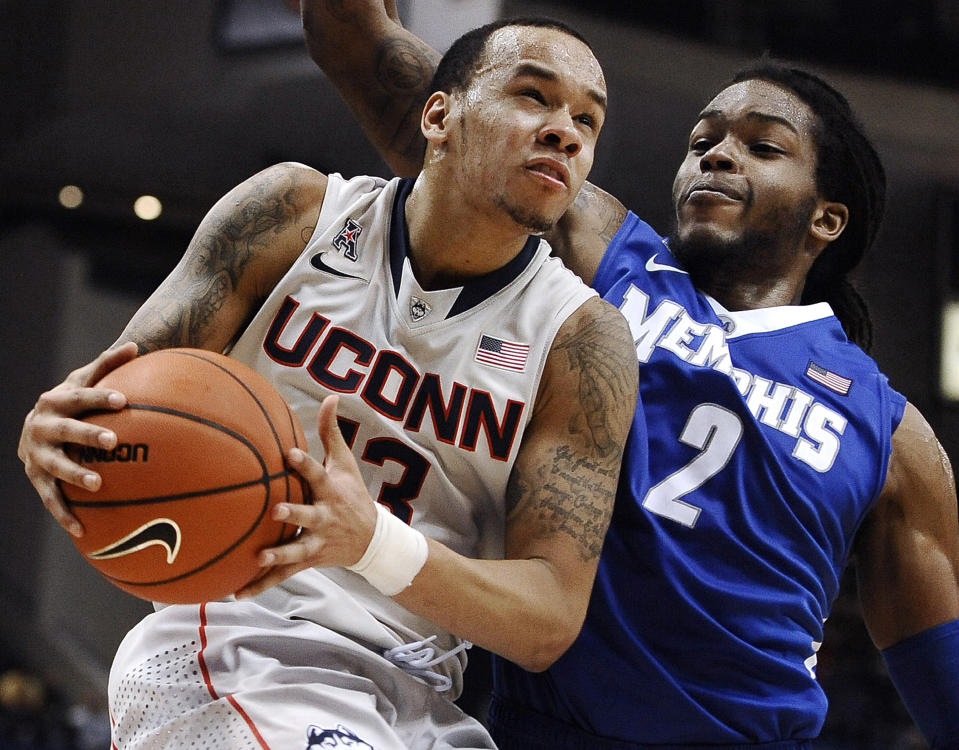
345 362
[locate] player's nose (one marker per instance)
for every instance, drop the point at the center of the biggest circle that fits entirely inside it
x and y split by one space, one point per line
721 156
559 131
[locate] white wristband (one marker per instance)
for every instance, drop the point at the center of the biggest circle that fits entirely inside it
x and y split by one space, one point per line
395 555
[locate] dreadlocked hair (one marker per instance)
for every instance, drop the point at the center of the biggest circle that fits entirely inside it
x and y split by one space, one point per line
848 171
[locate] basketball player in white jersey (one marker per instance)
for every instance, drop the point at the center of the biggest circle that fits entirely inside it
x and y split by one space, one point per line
472 399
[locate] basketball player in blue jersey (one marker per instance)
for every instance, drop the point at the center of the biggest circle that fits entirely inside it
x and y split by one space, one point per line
769 450
484 398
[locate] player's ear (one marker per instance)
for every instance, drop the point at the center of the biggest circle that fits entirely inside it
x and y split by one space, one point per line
828 220
435 119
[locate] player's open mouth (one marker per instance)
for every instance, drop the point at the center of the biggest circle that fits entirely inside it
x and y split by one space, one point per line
551 169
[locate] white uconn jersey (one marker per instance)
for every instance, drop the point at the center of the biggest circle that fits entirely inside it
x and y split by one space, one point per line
436 387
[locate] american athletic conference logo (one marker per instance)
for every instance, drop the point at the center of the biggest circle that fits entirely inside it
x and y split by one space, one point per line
345 240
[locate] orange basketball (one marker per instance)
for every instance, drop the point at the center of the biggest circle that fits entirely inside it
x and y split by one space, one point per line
185 502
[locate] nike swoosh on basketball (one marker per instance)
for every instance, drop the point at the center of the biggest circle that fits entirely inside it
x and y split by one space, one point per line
320 265
652 265
160 531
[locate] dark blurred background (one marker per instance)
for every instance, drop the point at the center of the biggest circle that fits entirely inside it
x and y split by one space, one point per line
182 99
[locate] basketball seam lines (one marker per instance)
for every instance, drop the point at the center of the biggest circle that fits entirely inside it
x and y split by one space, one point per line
263 410
180 496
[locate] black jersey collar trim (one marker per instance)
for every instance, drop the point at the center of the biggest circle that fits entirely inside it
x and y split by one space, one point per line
474 291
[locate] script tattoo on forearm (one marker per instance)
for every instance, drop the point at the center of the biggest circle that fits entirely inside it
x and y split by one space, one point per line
573 491
580 500
573 497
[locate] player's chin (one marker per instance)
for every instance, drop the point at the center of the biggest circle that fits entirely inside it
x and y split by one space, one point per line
718 216
705 243
546 214
547 196
540 225
707 228
533 217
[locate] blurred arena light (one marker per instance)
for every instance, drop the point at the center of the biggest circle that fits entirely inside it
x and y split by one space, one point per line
70 196
949 352
147 207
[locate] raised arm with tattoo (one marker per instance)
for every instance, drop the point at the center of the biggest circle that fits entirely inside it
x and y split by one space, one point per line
385 77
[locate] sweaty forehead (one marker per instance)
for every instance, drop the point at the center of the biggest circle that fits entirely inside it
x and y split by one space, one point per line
511 46
759 97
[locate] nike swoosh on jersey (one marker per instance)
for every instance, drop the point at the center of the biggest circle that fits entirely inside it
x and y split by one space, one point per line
320 265
160 531
652 265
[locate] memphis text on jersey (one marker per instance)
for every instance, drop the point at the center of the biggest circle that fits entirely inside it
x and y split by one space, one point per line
781 406
374 374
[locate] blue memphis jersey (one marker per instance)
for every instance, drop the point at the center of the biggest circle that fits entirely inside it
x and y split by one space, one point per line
761 441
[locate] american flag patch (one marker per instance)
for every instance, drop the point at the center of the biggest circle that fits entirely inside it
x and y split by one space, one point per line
831 380
499 353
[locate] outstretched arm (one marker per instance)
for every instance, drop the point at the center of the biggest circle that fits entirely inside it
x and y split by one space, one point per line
907 552
530 606
241 248
383 72
907 561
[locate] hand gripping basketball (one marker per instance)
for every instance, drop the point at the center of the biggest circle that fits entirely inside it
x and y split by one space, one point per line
187 492
343 526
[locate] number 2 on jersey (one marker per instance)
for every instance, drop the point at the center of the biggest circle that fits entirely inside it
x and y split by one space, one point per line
714 432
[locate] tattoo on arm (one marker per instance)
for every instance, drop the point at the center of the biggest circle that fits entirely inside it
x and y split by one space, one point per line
607 212
573 493
187 304
583 501
605 376
571 498
404 70
179 318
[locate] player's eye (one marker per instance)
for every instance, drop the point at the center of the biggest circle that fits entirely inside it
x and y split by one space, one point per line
588 120
766 148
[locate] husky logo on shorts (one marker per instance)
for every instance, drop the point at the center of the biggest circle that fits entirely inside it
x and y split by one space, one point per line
345 240
339 737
